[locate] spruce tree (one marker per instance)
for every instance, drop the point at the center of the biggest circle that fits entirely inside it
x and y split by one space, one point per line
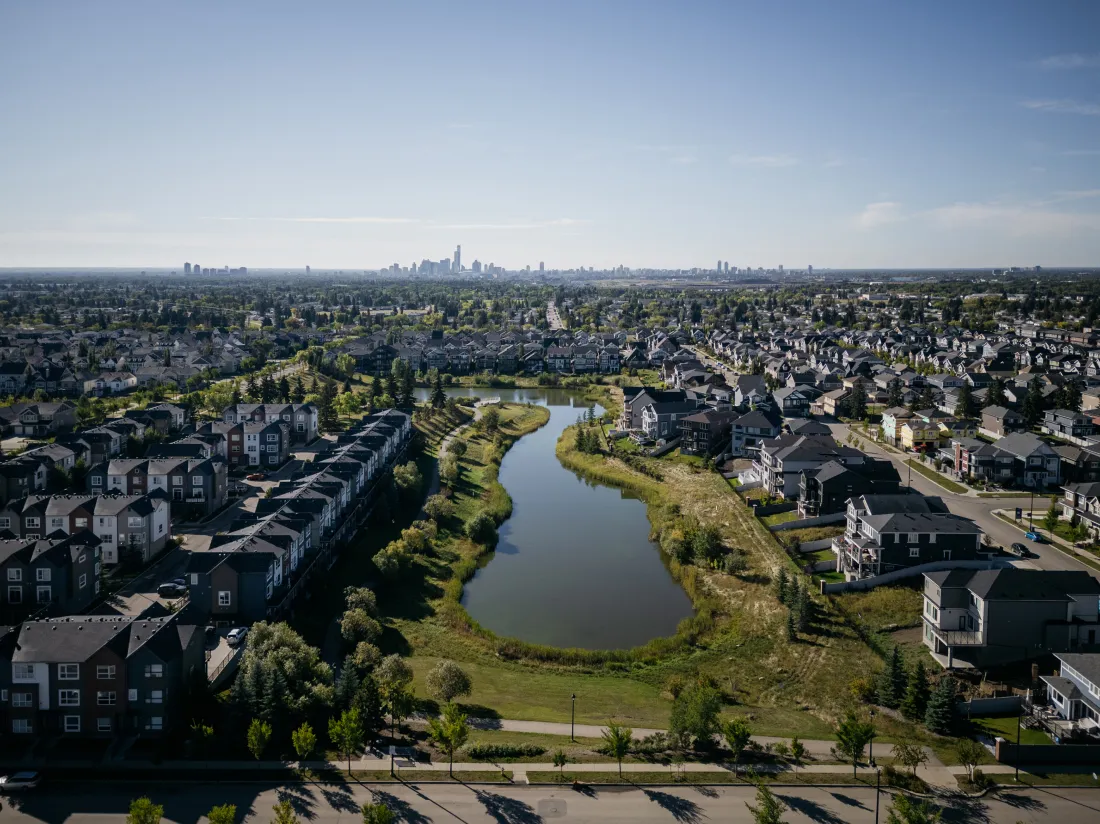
781 585
791 634
915 703
941 707
891 681
803 606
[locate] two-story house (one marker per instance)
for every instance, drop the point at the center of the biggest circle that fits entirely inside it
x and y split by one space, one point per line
707 432
301 418
1065 423
1074 691
998 421
825 490
59 576
988 617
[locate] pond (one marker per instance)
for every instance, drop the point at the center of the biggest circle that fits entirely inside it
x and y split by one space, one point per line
574 566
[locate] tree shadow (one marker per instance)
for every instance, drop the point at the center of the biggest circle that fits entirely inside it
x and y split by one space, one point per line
1020 801
681 809
812 810
705 791
401 809
506 810
301 798
339 797
967 810
851 802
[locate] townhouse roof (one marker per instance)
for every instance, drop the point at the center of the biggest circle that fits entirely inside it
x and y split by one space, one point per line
1012 583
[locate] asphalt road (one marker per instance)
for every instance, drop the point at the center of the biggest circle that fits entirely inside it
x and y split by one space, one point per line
187 803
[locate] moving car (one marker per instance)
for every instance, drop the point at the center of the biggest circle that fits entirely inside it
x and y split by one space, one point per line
1021 550
1034 536
236 636
19 781
255 476
172 589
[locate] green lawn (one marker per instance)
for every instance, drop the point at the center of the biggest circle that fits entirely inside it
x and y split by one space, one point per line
1004 726
779 518
884 607
935 476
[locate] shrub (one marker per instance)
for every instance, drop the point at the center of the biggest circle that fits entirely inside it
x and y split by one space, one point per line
495 751
481 529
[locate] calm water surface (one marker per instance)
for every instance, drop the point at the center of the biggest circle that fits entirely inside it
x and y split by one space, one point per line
574 566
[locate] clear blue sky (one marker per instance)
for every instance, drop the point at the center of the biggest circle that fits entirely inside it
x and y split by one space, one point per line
843 134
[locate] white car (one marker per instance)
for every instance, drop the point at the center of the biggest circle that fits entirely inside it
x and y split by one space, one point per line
236 636
18 781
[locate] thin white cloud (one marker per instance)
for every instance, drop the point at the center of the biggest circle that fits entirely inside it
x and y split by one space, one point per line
1073 60
1014 219
383 220
539 224
879 214
1062 106
460 125
777 161
1074 194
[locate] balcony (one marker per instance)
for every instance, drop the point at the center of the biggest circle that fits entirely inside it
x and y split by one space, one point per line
958 638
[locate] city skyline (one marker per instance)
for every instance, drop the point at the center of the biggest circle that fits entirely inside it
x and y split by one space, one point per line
639 135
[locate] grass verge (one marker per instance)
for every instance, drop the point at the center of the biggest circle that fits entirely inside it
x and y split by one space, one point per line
937 478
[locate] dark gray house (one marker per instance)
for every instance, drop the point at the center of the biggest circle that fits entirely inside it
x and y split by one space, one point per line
982 618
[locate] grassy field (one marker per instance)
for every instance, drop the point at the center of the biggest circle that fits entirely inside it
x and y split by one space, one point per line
811 533
936 477
884 608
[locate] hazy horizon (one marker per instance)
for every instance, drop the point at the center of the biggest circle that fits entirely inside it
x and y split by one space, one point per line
352 136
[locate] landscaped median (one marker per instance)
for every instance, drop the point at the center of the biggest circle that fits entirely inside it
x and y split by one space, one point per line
936 477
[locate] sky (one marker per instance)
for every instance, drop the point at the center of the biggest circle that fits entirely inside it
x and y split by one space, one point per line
837 134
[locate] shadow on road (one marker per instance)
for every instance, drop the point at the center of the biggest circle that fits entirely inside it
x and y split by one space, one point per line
812 810
681 809
401 809
507 810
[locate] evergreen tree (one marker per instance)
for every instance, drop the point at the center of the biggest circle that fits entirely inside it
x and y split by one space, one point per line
857 401
346 684
895 395
298 393
391 378
284 389
1069 396
917 691
964 406
326 408
375 393
891 682
995 394
781 585
792 635
438 397
941 707
408 385
1033 403
802 607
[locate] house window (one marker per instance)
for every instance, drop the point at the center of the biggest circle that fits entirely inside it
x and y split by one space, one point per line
5 523
68 672
223 598
15 575
156 697
72 723
132 695
83 581
154 670
57 523
177 480
21 726
68 698
272 438
105 672
103 724
914 552
135 522
105 699
912 538
97 480
155 723
81 523
44 595
107 538
21 699
32 523
22 672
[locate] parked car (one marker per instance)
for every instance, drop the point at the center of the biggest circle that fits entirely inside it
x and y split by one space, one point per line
236 636
19 781
255 476
172 589
239 489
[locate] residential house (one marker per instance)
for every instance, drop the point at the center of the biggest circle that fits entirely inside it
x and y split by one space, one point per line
1037 463
101 676
825 490
998 421
706 433
1074 691
987 617
58 575
301 418
782 460
1065 423
38 419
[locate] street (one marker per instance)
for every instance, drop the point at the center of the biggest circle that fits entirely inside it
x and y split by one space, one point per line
187 803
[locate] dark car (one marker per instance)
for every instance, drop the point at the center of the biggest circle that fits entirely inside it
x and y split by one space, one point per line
1021 550
172 589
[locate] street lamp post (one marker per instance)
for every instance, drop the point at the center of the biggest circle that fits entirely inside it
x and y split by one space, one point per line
871 756
1031 510
878 783
1019 718
573 719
